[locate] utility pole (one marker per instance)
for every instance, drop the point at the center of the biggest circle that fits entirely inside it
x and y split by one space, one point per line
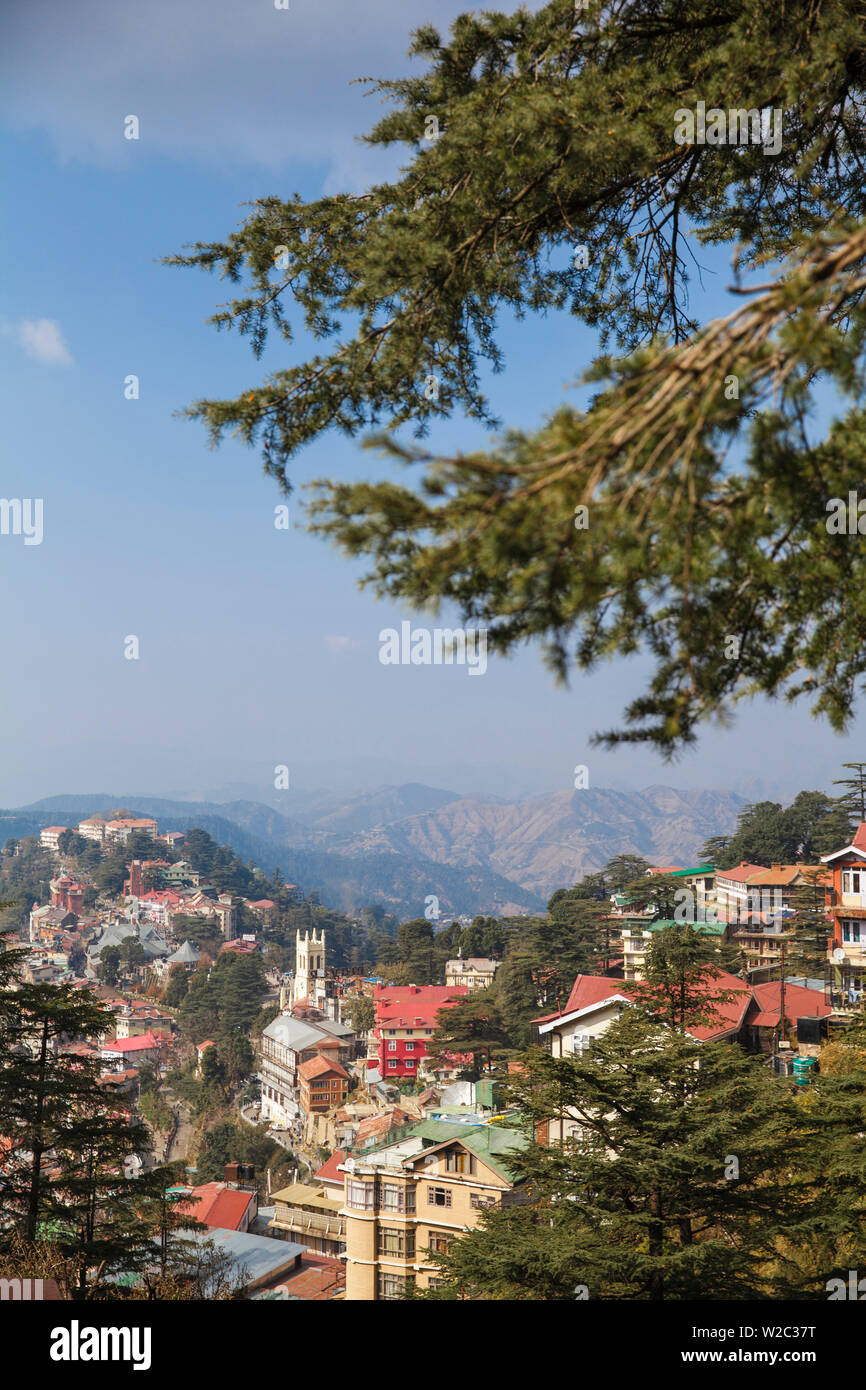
782 993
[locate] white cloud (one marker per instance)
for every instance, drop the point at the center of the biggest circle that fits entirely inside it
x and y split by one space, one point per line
42 340
339 646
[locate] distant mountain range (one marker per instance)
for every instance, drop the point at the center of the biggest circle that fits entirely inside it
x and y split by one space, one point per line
397 845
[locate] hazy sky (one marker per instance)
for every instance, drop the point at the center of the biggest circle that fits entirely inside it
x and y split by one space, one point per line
256 647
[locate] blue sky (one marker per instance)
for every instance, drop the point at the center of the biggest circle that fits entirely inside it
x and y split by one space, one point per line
257 648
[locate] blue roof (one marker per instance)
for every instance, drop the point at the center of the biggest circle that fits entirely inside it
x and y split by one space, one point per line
261 1256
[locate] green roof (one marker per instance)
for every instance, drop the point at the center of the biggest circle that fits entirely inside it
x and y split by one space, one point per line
490 1143
709 928
684 873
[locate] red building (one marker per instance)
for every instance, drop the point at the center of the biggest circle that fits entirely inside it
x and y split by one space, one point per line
68 894
847 916
405 1021
322 1084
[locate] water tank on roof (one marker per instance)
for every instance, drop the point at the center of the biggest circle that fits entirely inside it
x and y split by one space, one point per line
804 1068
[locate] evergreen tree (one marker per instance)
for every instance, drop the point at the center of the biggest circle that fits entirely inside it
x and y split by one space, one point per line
94 1201
471 1026
550 165
853 799
622 870
515 991
680 987
362 1013
690 1172
42 1089
808 939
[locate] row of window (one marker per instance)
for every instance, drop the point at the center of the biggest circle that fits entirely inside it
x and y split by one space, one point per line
408 1032
401 1244
396 1286
392 1047
387 1196
392 1196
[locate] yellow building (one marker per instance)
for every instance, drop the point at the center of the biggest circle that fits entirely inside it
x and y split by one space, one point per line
414 1195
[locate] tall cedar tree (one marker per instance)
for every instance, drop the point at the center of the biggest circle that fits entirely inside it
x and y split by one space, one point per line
694 1174
808 940
544 172
680 986
853 799
42 1089
471 1027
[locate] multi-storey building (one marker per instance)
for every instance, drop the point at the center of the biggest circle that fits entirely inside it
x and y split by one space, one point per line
49 837
93 828
637 936
405 1022
323 1083
409 1199
119 831
475 972
847 918
285 1045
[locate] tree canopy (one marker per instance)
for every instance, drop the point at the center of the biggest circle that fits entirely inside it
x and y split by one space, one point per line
544 174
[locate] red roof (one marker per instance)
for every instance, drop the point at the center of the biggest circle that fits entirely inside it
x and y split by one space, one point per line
593 989
859 841
139 1044
319 1278
799 1003
321 1066
220 1206
328 1171
414 1006
742 872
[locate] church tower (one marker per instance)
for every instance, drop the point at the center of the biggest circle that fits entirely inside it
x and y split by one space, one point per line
309 961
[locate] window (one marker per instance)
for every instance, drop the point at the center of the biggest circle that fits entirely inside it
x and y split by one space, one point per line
359 1195
409 1032
439 1244
410 1047
435 1283
479 1200
850 880
456 1161
429 1032
396 1242
392 1047
392 1196
393 1285
410 1062
438 1196
392 1066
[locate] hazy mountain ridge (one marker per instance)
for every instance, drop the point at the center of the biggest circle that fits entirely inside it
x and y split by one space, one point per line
398 845
548 842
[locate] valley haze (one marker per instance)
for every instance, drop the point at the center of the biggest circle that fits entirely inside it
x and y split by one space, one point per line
395 845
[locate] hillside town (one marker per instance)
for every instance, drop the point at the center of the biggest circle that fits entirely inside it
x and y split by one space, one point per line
327 1141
